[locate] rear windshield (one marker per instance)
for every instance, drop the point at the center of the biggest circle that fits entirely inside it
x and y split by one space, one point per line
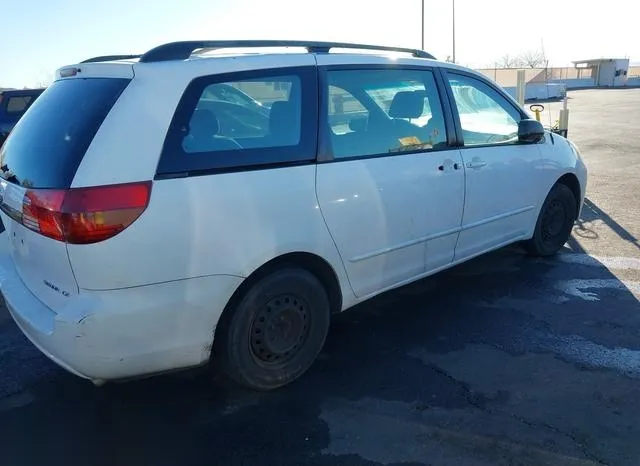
48 143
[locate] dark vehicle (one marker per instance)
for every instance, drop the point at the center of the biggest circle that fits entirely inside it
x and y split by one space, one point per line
13 104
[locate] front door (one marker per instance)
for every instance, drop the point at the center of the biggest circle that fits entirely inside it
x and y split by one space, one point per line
390 188
502 186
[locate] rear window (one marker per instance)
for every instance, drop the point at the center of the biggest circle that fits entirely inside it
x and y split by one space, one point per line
48 143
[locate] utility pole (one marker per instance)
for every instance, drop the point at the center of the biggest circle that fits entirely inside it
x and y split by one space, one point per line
453 14
422 18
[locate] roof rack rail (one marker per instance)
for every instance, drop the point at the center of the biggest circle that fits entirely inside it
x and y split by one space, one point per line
183 50
110 58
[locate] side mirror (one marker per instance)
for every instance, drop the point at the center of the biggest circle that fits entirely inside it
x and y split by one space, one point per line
530 131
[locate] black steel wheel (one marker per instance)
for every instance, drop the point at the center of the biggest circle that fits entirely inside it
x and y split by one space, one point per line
555 221
280 329
275 332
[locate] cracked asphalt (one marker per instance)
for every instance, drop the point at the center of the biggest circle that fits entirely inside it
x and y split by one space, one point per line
506 360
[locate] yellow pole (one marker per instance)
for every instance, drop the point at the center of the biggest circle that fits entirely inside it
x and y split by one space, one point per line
537 109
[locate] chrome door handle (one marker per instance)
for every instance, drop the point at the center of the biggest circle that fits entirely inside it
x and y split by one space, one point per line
476 164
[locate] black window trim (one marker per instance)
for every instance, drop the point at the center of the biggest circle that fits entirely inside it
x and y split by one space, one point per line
458 126
325 151
175 163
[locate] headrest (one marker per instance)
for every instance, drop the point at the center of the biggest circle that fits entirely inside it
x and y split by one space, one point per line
282 111
284 123
204 122
407 104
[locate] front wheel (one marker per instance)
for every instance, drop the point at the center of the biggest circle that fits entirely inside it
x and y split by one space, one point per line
276 331
554 223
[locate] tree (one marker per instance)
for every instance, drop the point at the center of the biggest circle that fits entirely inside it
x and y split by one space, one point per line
533 58
528 59
507 61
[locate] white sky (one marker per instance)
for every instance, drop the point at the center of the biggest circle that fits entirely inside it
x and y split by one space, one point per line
39 36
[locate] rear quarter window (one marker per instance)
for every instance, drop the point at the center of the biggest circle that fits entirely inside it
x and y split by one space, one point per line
47 145
246 120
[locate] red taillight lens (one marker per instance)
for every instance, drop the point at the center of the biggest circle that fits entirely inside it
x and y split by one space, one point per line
84 215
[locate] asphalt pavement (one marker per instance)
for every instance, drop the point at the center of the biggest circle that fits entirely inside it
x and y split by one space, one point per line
506 360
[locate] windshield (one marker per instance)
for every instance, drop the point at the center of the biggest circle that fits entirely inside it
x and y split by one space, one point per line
47 145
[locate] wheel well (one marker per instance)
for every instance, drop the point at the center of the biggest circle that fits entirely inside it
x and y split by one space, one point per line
571 181
310 262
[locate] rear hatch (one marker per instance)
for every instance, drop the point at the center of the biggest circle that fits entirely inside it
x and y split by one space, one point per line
38 162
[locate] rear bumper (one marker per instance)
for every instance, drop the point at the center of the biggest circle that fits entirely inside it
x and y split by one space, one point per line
116 334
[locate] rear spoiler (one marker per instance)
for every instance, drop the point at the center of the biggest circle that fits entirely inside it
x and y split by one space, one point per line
96 69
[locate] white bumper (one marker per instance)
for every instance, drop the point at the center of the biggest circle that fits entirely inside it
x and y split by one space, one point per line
105 335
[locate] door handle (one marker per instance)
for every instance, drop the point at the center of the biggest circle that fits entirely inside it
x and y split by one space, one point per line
476 164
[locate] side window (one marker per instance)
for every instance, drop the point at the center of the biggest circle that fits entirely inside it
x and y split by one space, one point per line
17 105
246 114
245 119
486 117
381 112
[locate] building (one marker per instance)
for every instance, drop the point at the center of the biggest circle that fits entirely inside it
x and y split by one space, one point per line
611 72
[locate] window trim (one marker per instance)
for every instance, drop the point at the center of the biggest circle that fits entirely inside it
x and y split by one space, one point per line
458 125
325 150
174 162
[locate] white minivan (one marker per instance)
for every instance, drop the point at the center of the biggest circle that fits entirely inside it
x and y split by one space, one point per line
220 200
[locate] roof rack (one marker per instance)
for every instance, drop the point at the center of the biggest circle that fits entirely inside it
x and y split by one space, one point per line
183 50
110 58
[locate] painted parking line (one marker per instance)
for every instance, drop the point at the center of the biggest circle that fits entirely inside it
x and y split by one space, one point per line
616 263
583 351
586 288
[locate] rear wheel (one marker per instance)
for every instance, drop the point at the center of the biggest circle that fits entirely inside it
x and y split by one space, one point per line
276 331
554 223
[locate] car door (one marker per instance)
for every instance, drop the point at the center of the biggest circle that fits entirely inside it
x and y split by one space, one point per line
502 175
389 184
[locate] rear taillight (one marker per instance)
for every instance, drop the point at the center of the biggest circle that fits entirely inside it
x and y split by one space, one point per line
84 215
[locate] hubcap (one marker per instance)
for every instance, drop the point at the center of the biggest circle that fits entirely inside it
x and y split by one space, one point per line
280 329
553 220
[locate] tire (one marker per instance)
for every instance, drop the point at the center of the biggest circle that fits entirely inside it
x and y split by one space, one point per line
555 222
276 331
